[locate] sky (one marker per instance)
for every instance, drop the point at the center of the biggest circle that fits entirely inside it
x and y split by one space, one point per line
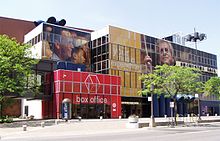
157 18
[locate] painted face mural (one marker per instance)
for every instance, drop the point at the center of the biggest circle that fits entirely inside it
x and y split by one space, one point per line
165 51
66 45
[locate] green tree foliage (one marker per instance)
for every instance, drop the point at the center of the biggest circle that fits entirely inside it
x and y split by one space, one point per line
172 80
212 86
15 67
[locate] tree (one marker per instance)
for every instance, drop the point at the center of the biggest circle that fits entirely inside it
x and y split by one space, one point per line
173 80
212 86
15 67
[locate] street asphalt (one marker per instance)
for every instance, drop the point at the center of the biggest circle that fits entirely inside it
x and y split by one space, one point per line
87 127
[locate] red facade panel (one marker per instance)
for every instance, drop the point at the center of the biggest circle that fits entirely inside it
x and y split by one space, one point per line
67 76
107 89
87 88
107 79
76 87
115 106
114 89
100 89
76 77
68 87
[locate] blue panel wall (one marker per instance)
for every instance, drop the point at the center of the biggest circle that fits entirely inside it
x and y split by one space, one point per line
180 108
162 106
61 65
185 108
156 105
70 66
167 105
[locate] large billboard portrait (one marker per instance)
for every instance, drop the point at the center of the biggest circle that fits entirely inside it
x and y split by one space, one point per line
155 52
166 53
64 44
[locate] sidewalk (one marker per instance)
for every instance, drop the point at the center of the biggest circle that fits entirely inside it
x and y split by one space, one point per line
83 127
69 128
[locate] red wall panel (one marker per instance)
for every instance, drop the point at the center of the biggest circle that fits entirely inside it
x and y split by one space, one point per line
87 88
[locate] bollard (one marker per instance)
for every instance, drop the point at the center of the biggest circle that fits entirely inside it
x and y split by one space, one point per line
216 115
80 118
24 127
188 118
207 115
165 116
42 124
119 117
101 117
56 122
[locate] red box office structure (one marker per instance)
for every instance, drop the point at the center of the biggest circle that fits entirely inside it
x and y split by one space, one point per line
92 95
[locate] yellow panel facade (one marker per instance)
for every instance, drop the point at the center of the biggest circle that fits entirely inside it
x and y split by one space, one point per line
136 93
138 54
121 74
114 34
114 49
133 81
111 72
122 91
124 37
132 55
126 59
127 79
126 92
121 53
138 81
127 54
132 39
138 40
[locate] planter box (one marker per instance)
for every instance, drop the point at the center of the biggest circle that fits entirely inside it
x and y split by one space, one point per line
133 119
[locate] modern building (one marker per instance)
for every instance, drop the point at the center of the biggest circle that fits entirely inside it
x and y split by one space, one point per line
98 71
121 52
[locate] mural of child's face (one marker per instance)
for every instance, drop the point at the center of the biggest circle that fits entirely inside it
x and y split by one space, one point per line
78 57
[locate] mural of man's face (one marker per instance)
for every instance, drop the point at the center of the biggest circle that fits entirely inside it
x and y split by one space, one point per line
66 44
165 51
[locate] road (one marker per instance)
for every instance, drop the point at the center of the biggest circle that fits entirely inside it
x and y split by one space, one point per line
205 133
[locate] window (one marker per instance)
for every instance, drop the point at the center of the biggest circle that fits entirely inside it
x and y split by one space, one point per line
94 43
99 41
99 50
104 49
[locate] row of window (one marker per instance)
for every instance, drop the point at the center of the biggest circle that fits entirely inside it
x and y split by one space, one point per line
100 41
199 67
192 58
100 66
35 40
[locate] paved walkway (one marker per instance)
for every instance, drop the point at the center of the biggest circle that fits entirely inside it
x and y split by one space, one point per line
87 126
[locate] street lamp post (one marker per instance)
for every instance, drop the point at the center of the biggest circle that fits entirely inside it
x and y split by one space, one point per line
152 120
199 115
194 38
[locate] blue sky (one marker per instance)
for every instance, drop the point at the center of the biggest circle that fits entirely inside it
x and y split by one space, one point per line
158 18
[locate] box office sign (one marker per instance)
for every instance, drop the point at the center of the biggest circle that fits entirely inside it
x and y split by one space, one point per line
91 99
